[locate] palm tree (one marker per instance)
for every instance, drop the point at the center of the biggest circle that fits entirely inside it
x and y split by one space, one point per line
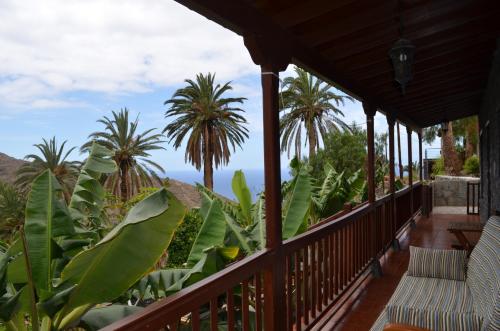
312 106
209 120
12 205
131 151
53 158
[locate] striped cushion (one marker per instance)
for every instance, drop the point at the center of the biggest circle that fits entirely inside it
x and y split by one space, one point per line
483 275
433 303
380 322
437 263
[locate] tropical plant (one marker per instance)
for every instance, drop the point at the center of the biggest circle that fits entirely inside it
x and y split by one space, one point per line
12 204
312 106
471 166
209 121
54 158
438 167
131 152
344 150
56 274
451 159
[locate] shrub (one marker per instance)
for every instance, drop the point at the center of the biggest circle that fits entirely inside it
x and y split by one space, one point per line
471 166
438 167
184 236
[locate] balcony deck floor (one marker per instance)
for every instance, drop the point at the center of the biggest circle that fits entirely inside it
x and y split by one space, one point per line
370 298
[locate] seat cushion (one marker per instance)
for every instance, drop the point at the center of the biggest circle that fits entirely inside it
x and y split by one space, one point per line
483 275
437 263
433 303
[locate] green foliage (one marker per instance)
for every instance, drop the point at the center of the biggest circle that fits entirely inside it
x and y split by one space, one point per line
181 244
12 204
47 273
438 167
130 150
342 150
472 166
203 114
54 158
308 104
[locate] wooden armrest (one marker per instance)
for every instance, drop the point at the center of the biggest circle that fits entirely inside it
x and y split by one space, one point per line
402 327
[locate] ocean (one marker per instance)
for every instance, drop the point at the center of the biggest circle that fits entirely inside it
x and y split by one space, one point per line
223 178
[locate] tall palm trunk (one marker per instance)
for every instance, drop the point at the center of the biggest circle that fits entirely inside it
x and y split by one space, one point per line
469 146
312 144
452 162
208 171
124 182
399 154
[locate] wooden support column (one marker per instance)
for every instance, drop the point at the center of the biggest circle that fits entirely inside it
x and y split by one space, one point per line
391 121
420 162
272 59
370 111
392 169
410 169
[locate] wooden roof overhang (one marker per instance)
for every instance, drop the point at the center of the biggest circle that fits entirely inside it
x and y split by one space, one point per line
346 42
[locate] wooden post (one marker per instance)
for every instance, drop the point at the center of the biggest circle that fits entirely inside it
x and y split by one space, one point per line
392 178
274 281
410 169
273 57
370 113
420 162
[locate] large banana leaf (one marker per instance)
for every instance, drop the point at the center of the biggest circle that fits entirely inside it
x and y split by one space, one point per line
212 260
46 218
159 280
242 193
212 231
88 196
119 260
258 233
298 209
97 318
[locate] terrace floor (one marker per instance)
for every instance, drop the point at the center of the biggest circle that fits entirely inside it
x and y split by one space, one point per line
372 295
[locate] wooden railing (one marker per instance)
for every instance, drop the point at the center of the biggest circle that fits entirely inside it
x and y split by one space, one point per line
321 265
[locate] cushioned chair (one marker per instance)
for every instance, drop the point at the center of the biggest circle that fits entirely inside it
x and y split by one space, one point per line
442 292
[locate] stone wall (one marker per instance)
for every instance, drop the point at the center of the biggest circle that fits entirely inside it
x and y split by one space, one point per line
489 124
451 190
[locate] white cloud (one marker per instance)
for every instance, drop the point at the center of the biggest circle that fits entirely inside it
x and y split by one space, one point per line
55 46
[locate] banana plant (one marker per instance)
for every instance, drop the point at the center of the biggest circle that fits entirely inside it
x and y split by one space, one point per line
54 274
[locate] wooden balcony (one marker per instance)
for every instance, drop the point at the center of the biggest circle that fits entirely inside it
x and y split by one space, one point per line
323 268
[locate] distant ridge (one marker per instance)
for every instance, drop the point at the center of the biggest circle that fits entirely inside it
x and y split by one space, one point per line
186 193
8 167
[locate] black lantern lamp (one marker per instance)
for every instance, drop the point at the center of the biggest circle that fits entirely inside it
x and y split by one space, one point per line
402 54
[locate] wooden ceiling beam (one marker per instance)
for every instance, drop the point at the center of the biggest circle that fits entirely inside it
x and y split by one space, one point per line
425 67
444 50
417 24
307 10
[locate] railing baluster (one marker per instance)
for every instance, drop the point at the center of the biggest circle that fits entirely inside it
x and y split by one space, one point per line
313 280
195 320
213 314
332 266
289 293
337 262
230 309
320 275
298 291
306 285
258 301
244 305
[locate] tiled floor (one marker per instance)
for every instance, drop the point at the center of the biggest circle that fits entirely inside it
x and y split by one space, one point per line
373 295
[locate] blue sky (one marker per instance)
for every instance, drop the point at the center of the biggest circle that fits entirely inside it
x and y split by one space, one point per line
66 64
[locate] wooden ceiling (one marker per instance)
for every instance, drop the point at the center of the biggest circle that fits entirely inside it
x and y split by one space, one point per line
347 43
